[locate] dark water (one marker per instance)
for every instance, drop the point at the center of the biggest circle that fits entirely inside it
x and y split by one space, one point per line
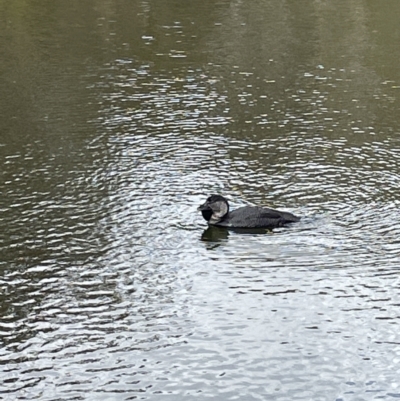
118 119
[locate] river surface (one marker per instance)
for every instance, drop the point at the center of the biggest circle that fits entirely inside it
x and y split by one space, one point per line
118 119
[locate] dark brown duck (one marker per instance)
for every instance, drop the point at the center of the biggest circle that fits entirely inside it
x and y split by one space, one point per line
216 211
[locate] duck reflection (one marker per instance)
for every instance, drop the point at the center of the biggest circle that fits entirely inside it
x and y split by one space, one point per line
215 234
220 234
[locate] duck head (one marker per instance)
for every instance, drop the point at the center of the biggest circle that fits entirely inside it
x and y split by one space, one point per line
214 209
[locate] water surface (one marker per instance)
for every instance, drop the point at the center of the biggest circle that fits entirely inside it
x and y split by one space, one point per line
118 120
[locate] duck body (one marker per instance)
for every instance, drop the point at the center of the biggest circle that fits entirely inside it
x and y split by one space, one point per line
216 211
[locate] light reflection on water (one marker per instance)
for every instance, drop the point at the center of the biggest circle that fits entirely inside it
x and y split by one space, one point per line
113 287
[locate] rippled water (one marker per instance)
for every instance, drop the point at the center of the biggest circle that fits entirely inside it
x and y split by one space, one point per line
119 120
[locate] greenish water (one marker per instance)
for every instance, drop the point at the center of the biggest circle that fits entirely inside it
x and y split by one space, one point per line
118 119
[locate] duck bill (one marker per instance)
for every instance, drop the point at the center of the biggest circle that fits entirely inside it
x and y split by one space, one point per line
203 207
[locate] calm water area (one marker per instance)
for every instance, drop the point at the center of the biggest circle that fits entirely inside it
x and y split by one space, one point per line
118 119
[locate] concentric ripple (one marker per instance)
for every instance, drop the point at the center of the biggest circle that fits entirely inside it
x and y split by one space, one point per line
118 122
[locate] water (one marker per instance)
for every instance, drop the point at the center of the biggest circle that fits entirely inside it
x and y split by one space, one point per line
118 120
